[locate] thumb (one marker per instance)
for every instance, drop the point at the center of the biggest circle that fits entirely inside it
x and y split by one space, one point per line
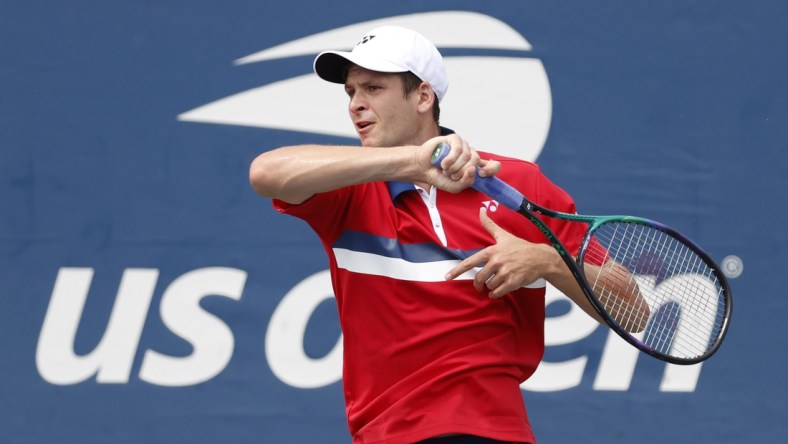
488 224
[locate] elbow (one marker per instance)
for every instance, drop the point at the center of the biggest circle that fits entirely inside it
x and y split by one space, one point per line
261 176
271 175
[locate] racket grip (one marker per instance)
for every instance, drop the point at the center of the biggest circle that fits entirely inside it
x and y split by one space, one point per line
492 186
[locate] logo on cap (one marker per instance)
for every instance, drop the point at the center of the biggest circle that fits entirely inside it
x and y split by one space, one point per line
365 39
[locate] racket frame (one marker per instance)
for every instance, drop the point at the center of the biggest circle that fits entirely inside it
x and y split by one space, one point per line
509 197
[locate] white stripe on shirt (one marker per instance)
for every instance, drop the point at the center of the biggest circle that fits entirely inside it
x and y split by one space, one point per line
396 268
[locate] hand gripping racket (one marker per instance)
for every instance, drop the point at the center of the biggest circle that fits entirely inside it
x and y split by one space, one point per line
653 286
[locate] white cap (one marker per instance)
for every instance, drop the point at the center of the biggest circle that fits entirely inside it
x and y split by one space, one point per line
388 49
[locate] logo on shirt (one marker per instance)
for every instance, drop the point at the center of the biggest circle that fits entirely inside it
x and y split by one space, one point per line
491 205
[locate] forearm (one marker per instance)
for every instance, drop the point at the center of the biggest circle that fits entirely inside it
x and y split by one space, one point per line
562 279
296 173
617 290
613 287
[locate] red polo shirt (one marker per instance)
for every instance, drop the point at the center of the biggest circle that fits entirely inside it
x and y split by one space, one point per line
425 357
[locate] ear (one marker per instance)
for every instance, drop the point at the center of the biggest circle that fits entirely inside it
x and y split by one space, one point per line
426 97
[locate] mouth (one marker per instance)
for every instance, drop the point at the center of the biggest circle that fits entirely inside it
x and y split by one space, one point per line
363 126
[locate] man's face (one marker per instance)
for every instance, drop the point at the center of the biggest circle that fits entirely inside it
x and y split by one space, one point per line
380 112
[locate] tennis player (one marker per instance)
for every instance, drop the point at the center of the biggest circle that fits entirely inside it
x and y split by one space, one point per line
428 356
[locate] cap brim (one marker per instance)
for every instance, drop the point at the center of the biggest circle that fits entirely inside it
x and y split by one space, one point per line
332 65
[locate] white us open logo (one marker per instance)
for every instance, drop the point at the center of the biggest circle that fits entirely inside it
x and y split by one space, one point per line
516 126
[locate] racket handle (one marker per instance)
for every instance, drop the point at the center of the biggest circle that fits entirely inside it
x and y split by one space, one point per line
492 186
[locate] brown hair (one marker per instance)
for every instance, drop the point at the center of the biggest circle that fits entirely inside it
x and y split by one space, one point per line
410 82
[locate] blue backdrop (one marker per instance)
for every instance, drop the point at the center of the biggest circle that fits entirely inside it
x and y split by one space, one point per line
148 295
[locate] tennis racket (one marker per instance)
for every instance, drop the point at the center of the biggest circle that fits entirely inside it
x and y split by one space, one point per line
654 287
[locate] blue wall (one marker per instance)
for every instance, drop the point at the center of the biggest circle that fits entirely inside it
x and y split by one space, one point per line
144 286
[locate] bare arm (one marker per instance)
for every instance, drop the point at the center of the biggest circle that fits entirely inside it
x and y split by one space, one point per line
296 173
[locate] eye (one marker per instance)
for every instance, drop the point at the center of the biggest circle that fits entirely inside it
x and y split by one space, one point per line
373 88
349 92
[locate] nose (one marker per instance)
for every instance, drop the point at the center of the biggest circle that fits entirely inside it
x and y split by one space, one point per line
357 103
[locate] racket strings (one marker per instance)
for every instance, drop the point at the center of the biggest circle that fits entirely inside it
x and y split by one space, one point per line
672 298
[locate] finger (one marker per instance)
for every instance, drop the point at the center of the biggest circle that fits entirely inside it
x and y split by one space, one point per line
467 264
485 274
457 169
503 288
455 142
468 157
489 225
497 294
489 168
494 282
468 176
